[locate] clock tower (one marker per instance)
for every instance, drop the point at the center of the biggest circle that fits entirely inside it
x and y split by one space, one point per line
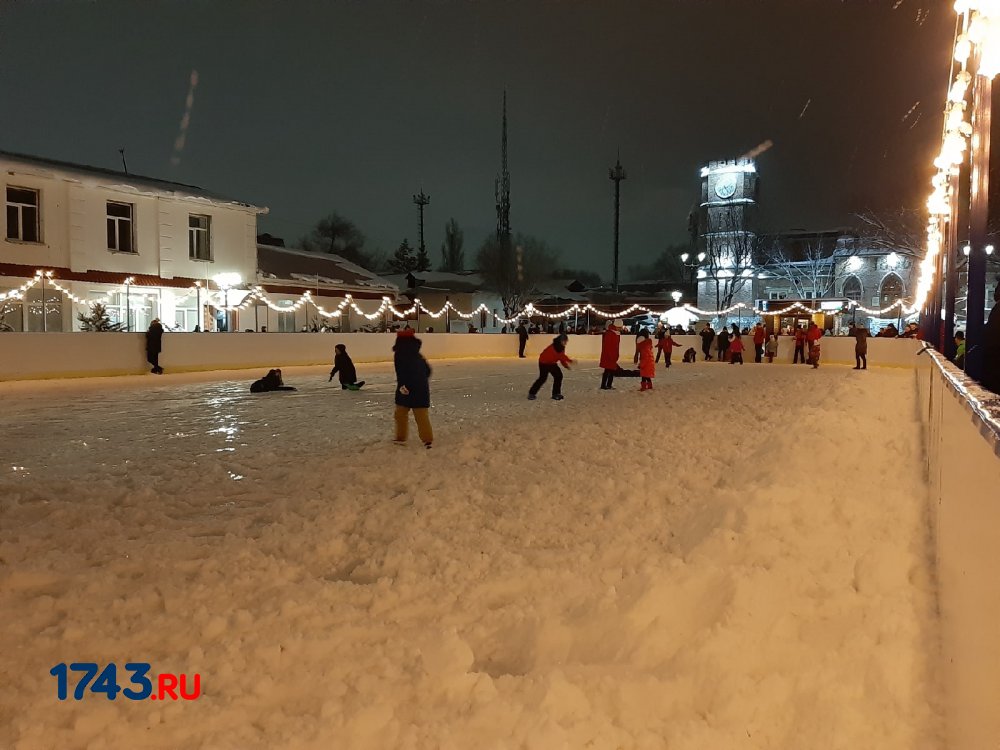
728 210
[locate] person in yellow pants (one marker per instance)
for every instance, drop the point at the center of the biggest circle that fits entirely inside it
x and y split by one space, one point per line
413 391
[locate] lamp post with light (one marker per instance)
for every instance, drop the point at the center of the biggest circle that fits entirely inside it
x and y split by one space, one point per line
225 282
129 281
693 266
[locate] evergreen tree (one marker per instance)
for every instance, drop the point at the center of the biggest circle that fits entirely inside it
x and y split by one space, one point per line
452 254
423 263
98 319
404 260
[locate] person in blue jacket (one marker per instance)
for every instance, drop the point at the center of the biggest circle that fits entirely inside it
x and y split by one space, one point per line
413 390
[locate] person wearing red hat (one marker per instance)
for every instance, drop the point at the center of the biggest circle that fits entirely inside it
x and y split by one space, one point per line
548 364
413 390
611 341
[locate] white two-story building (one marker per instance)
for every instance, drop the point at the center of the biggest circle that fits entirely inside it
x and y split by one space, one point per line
146 248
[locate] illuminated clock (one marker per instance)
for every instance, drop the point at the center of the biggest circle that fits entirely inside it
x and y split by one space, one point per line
725 188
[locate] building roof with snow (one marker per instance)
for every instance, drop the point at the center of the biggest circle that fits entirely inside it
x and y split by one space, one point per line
282 266
112 178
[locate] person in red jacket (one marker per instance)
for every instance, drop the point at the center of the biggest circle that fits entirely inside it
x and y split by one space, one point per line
759 337
647 362
548 364
665 345
736 349
813 335
611 341
800 346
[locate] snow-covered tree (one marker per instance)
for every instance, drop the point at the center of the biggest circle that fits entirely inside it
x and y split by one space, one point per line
98 319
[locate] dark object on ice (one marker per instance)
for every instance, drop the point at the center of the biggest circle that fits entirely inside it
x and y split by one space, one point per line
270 382
344 367
621 372
690 355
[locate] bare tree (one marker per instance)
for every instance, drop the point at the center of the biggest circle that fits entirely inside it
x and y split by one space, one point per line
513 269
902 231
809 270
452 254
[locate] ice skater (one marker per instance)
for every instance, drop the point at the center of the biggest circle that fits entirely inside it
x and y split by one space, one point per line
522 338
611 341
270 382
413 388
860 334
154 345
647 362
548 364
707 336
736 349
665 345
771 347
813 335
344 367
722 344
800 346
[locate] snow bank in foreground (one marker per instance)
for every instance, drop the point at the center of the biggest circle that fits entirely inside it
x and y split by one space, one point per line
737 559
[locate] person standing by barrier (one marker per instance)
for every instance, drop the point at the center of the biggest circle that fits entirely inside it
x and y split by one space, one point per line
522 338
800 346
771 348
707 336
813 335
759 337
548 364
154 345
860 347
610 351
991 346
960 350
736 349
722 344
413 389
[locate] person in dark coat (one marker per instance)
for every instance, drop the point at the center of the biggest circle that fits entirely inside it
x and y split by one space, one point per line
860 334
344 366
154 345
413 389
722 344
522 338
270 382
707 337
991 346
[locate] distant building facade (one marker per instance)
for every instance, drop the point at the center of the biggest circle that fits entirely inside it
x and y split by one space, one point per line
741 264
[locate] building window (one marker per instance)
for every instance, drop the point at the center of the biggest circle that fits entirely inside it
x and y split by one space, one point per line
199 237
852 289
891 290
121 234
22 215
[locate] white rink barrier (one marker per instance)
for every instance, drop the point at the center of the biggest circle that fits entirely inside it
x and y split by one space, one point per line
29 356
962 438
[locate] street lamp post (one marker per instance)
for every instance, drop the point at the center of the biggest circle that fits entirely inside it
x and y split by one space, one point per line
616 174
129 281
225 282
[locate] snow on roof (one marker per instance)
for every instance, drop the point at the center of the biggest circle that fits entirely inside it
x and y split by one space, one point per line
114 178
440 281
324 268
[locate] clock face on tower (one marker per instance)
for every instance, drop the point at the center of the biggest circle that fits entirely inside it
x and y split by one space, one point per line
725 188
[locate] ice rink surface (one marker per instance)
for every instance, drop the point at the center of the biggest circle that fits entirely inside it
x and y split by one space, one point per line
739 558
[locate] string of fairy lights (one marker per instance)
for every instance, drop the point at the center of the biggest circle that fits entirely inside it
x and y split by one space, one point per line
978 34
257 295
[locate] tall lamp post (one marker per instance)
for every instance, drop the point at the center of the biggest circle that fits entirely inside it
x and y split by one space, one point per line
421 200
616 174
692 266
225 282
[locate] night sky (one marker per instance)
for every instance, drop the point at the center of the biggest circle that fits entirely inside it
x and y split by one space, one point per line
311 107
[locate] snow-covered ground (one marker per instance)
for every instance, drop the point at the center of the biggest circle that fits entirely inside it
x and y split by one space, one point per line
738 559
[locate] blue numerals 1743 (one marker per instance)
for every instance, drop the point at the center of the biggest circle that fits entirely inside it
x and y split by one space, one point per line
143 685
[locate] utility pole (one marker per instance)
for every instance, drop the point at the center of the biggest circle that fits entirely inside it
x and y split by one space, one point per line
421 200
502 186
617 174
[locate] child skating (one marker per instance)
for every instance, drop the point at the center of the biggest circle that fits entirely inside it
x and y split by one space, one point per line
665 345
736 349
413 389
548 364
771 347
344 367
647 361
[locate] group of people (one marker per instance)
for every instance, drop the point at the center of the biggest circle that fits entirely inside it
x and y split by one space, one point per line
729 345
